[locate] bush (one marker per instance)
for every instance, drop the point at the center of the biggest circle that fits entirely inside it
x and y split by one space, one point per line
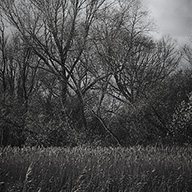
182 123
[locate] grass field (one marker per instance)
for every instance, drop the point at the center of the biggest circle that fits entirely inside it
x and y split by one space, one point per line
135 169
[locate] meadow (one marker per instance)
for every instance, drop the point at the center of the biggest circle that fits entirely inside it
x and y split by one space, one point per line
85 169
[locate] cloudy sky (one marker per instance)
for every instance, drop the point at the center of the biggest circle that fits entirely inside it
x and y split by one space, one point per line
172 17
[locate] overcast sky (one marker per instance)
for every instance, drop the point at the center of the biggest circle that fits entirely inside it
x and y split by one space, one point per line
172 17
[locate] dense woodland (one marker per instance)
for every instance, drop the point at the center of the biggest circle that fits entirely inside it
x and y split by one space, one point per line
89 72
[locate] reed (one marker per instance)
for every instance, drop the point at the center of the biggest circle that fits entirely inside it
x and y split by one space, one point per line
99 169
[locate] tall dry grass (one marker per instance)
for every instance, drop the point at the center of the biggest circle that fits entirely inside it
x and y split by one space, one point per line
82 169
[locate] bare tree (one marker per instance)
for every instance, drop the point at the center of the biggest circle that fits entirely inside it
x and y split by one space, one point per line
187 49
124 45
57 32
18 82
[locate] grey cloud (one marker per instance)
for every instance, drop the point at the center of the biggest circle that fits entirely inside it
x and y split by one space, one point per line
173 17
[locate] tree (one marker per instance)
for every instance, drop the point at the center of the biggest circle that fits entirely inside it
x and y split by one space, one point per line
18 72
85 66
135 63
57 32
